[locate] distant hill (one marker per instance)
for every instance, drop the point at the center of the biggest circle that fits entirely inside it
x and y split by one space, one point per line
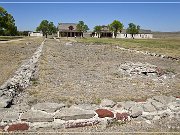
166 34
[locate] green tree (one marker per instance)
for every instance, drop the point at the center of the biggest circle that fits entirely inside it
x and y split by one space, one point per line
133 29
116 26
98 29
82 27
47 28
7 23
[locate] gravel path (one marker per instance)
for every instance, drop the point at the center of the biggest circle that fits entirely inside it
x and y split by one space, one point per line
87 73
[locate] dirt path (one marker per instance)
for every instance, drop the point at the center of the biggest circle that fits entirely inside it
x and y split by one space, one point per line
79 73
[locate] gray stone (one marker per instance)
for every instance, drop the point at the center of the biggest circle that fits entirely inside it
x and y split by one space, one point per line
139 119
48 107
68 43
148 107
4 101
2 112
46 125
36 116
74 113
1 92
11 116
148 117
81 123
159 106
164 99
128 104
119 106
8 115
174 106
136 111
23 107
107 103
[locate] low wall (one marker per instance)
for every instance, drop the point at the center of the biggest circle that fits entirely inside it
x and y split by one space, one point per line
20 80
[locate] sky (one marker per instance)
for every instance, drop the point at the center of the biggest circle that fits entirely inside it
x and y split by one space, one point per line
154 16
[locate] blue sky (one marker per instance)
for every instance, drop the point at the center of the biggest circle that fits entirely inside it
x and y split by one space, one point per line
157 17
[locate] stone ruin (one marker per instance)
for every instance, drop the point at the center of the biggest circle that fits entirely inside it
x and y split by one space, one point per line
145 69
55 116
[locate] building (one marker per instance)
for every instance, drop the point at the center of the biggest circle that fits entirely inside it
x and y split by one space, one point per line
142 34
35 34
105 32
68 30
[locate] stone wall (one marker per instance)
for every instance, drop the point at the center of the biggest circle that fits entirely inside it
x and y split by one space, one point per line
149 53
20 80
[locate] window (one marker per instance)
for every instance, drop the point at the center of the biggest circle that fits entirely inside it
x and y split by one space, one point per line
71 27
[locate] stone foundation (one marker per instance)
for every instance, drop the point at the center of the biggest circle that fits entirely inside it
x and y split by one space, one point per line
61 116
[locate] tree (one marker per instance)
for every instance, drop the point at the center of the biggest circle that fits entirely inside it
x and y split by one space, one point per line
82 27
116 26
7 23
98 29
133 29
47 28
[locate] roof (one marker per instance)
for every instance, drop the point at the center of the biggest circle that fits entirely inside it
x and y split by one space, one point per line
105 28
65 26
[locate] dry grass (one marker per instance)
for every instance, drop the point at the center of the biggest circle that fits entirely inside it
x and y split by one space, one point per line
7 38
169 46
82 73
12 54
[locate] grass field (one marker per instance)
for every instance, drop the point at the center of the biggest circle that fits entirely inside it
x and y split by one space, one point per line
169 46
7 38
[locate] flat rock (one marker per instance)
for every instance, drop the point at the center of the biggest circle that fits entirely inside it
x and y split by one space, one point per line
164 99
102 113
122 116
74 113
46 125
158 105
107 103
81 123
36 116
8 115
48 107
136 111
11 116
148 107
68 43
128 104
18 127
4 102
148 117
174 106
21 107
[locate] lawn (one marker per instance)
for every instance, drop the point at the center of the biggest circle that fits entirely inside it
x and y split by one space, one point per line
170 46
